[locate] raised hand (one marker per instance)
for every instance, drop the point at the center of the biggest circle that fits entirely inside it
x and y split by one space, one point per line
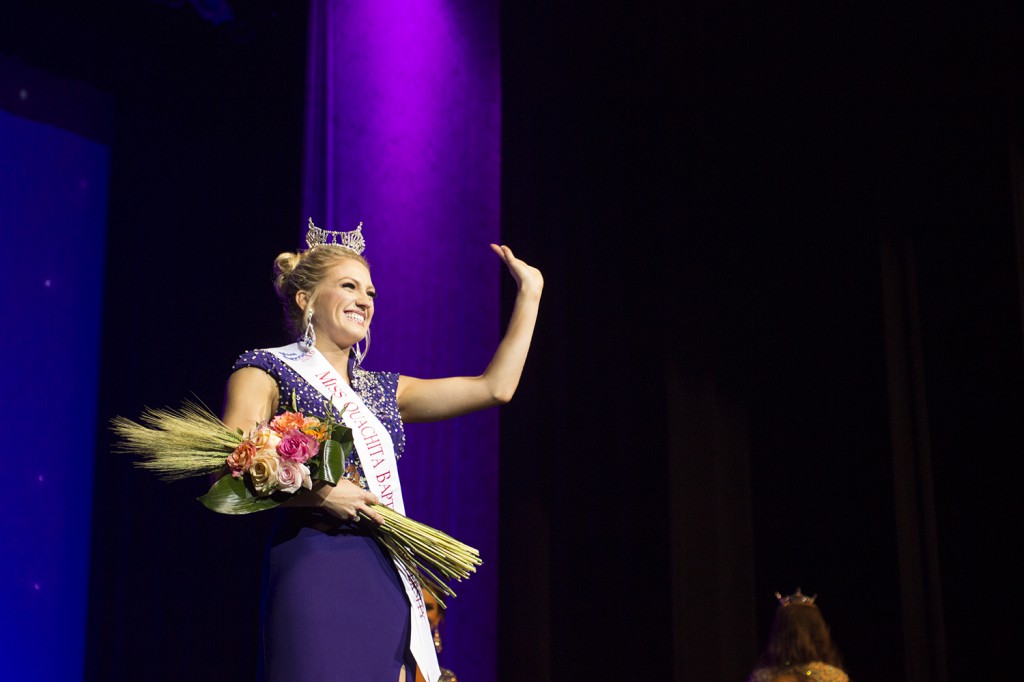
528 278
423 400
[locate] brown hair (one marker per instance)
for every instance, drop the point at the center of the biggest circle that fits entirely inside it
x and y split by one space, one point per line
799 636
305 271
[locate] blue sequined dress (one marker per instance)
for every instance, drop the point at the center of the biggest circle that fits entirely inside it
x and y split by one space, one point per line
333 606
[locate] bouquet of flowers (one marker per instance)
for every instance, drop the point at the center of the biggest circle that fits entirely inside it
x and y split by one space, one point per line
262 469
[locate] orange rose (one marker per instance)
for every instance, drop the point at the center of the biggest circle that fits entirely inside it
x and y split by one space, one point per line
241 458
288 421
317 429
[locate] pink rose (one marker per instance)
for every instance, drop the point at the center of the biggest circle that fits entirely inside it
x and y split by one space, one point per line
291 476
297 446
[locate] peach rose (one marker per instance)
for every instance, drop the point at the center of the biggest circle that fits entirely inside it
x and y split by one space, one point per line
268 442
261 436
263 472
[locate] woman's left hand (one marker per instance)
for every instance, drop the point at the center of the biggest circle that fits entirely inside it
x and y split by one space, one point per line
528 278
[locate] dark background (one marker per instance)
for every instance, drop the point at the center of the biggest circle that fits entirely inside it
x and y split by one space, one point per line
780 343
782 333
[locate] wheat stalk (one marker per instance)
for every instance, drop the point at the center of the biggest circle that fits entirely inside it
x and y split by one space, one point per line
177 444
191 441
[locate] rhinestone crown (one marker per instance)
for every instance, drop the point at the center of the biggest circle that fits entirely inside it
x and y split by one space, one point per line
797 597
352 240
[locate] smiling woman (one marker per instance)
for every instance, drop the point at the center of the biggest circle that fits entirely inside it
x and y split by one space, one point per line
301 279
323 536
341 307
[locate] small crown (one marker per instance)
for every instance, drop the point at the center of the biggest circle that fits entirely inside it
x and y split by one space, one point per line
797 597
353 241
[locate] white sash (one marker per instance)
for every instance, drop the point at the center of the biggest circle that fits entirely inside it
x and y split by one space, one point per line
377 454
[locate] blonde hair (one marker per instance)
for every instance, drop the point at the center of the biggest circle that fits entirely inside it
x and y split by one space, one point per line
305 271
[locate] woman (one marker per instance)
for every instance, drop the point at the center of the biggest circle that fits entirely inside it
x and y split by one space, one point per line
435 614
335 607
799 645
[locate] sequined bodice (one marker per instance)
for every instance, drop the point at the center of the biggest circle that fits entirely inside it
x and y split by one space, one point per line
377 389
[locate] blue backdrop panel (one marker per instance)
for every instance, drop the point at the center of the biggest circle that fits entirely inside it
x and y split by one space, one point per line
53 205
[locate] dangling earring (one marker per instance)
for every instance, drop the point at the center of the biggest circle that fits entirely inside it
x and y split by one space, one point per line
437 640
360 354
308 339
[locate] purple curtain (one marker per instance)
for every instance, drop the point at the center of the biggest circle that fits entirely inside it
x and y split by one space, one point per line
403 133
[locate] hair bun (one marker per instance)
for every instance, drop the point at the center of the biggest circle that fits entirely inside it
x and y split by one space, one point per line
284 266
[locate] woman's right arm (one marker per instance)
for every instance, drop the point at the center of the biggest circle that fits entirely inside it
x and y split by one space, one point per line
252 397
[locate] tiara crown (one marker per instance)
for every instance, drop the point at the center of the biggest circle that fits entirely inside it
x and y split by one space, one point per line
352 240
797 597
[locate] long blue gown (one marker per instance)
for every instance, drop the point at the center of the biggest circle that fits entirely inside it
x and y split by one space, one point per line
333 606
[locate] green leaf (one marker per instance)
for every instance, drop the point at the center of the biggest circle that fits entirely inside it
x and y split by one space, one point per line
229 495
334 452
343 435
